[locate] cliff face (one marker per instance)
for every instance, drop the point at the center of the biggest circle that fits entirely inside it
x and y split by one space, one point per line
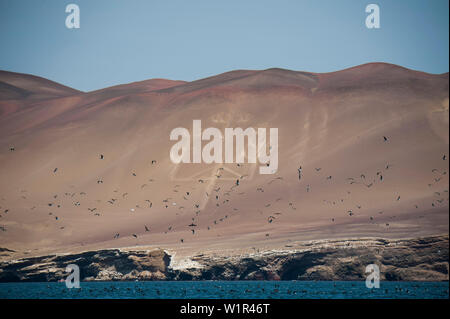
422 259
104 265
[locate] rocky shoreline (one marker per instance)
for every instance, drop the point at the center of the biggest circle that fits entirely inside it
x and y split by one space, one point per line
419 259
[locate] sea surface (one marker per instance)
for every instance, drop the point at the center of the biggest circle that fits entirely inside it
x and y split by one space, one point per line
226 290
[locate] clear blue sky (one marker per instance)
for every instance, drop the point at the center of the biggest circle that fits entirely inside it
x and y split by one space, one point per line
124 41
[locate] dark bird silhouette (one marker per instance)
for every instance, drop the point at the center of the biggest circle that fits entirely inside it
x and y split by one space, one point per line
116 235
444 157
237 182
146 228
134 235
385 138
54 171
192 225
101 156
299 173
150 203
153 162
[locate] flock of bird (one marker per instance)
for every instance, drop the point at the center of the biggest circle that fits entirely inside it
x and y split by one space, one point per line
222 195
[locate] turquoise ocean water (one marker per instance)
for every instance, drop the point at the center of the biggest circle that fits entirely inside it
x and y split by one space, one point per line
226 290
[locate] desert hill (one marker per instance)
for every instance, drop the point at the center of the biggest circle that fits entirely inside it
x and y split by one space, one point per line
372 142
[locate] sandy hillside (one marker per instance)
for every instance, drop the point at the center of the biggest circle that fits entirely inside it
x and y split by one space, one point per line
372 142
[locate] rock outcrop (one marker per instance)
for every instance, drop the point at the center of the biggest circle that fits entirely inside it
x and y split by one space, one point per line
102 265
421 259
